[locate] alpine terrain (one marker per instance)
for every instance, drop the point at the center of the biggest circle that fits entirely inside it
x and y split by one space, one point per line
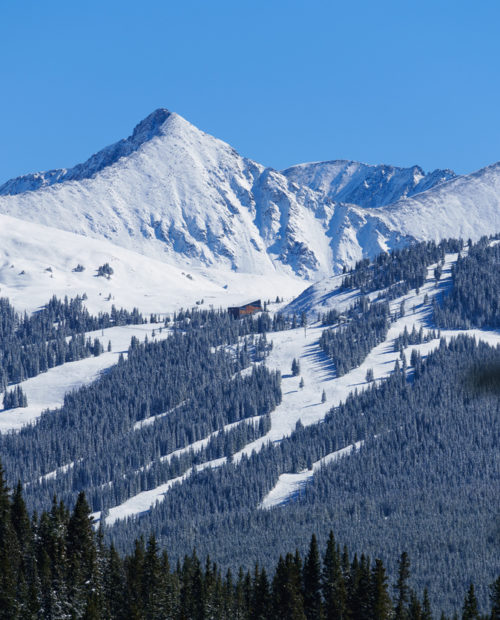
359 395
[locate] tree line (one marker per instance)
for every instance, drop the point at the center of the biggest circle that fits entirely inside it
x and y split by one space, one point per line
57 567
54 335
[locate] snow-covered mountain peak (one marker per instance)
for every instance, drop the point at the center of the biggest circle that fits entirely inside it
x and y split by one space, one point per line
179 195
153 125
364 184
149 127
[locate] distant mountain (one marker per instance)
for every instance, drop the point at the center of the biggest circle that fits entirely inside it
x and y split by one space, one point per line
176 194
145 130
365 185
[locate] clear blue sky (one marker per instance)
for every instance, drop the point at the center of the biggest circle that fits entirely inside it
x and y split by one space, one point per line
282 81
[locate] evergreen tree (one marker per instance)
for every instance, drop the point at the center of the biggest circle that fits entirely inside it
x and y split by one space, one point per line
153 586
134 567
381 605
114 580
470 609
333 584
402 587
9 556
82 557
426 606
312 582
495 599
261 603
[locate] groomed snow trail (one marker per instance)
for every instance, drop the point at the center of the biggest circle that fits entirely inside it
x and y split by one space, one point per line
318 372
47 390
289 485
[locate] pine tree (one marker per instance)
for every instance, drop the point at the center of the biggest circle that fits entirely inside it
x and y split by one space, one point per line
153 586
381 601
261 601
82 556
470 609
495 599
114 580
401 587
26 580
134 567
333 583
415 608
9 555
312 582
426 606
287 590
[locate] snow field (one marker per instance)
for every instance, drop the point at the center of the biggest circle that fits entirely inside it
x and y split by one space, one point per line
289 485
47 390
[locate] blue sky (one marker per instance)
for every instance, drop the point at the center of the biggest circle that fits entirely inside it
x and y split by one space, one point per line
281 81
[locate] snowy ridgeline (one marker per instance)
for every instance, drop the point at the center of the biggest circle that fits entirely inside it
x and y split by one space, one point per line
177 195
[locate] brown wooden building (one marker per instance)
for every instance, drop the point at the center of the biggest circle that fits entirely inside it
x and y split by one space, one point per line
251 308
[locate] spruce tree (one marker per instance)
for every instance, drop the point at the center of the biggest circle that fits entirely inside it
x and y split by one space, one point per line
495 599
261 602
333 583
312 582
82 556
9 555
381 605
153 585
470 608
402 587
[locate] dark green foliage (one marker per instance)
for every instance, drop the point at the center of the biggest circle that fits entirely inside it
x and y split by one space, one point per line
50 337
402 588
349 344
474 300
417 486
470 609
313 608
58 567
400 270
192 381
105 270
15 398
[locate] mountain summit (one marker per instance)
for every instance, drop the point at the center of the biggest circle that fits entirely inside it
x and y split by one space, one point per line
175 193
144 131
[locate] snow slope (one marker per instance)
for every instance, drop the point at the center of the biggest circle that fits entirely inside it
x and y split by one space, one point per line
182 195
289 485
362 184
467 206
37 262
318 372
173 193
47 390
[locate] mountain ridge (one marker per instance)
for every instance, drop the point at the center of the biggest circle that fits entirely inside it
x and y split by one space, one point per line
176 194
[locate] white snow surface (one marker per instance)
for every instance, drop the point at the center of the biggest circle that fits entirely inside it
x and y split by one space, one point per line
28 250
47 390
318 372
363 184
173 193
289 485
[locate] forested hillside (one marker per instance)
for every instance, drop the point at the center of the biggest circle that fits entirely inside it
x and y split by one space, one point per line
196 426
55 566
424 480
474 300
32 344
